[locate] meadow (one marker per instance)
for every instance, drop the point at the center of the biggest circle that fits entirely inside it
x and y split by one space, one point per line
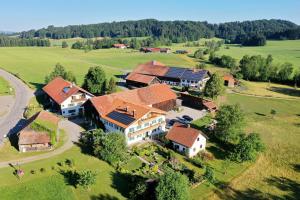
32 64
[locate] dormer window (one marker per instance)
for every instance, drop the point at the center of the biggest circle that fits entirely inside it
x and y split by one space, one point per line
66 89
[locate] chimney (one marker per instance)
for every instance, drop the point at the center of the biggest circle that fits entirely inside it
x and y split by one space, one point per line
126 109
133 113
153 62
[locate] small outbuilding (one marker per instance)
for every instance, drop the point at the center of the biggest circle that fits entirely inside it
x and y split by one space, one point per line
186 140
40 133
229 80
120 46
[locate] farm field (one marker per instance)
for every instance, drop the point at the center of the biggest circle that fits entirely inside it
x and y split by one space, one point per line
32 64
275 175
53 182
282 51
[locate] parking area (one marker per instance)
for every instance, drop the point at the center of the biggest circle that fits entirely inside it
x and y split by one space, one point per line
193 113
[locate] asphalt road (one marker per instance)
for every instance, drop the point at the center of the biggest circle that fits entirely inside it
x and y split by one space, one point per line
13 120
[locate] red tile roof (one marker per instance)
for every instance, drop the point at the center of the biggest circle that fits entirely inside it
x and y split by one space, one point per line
141 78
153 68
30 136
55 89
119 45
183 135
149 95
228 77
209 104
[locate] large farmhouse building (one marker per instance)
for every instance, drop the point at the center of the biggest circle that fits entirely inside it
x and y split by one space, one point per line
66 97
175 76
186 140
138 113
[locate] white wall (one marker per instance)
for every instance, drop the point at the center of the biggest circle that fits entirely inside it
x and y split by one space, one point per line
74 107
136 127
198 145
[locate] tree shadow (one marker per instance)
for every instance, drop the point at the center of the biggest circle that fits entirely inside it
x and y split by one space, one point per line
218 152
225 191
70 177
296 167
37 85
103 197
286 91
123 182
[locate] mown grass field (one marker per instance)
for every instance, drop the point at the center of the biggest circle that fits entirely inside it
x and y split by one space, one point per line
54 184
32 64
4 87
276 174
282 51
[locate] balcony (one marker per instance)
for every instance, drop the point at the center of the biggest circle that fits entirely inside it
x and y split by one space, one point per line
144 130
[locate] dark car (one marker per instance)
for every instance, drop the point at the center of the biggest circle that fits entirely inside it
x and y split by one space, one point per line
187 118
171 123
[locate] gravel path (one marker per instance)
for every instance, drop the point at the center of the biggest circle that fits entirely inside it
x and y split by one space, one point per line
12 121
73 132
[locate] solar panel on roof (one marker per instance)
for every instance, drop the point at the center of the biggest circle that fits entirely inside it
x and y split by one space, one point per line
121 117
175 72
66 89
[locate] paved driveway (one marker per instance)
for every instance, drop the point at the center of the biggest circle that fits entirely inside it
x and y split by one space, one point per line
12 121
194 113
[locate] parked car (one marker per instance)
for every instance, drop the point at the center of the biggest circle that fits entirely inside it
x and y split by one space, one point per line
187 118
171 123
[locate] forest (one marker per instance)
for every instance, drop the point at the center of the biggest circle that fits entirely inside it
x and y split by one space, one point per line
176 31
6 41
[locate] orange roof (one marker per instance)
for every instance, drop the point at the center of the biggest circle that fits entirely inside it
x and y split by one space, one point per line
183 135
30 136
107 104
228 77
209 104
149 95
119 45
139 100
153 68
141 78
59 89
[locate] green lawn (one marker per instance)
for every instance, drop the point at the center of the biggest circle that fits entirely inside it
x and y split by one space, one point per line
53 184
4 87
32 64
282 51
275 175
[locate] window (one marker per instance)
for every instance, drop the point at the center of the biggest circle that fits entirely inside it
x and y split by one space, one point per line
160 120
71 111
71 104
154 121
147 124
194 149
138 127
198 139
183 149
131 138
200 146
131 130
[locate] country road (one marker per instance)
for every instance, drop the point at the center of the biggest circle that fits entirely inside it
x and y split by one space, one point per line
12 121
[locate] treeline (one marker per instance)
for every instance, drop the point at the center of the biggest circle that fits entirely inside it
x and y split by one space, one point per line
22 42
258 68
132 43
176 31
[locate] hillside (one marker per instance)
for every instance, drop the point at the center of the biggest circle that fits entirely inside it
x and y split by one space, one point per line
177 31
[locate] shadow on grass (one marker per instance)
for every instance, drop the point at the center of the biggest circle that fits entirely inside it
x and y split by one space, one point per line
218 152
260 114
286 91
290 188
104 197
71 177
37 85
296 167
